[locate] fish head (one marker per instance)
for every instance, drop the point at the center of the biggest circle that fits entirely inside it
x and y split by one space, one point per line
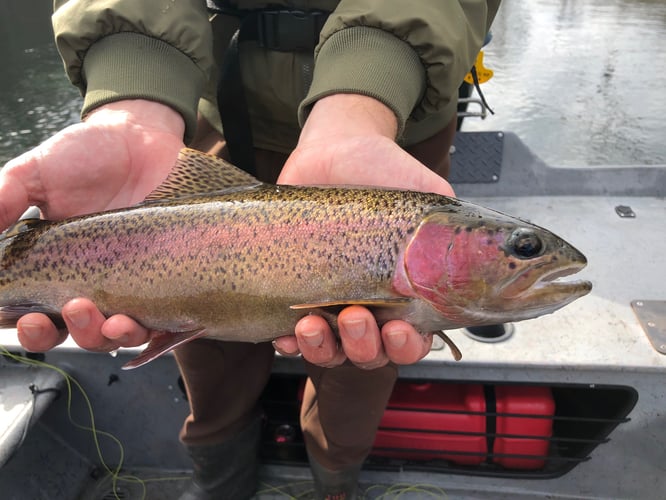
476 266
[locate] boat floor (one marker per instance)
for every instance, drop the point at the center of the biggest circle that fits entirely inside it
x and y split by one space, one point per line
284 483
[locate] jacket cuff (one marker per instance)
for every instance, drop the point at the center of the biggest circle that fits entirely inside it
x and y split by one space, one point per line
371 62
135 66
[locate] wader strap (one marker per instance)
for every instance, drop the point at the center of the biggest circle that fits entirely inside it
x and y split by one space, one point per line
284 30
233 110
280 30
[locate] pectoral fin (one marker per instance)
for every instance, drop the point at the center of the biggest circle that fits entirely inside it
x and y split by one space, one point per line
387 302
457 355
161 343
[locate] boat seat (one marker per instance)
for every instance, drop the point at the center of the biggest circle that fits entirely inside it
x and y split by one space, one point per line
25 393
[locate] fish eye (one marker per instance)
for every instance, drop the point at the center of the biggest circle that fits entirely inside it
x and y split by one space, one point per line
525 244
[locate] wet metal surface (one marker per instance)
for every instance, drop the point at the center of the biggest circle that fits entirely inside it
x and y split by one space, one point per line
652 316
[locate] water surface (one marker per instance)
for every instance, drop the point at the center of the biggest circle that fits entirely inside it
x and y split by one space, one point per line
36 100
580 81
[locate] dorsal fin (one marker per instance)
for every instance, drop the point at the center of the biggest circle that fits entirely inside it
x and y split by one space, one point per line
199 173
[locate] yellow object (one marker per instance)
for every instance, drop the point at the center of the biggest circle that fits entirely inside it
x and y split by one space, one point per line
483 74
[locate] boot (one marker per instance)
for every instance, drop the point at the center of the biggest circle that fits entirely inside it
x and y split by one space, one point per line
226 471
335 485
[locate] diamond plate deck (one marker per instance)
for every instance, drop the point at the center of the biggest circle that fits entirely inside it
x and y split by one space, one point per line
477 157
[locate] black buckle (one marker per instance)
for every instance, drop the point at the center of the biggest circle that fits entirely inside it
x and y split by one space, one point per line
289 30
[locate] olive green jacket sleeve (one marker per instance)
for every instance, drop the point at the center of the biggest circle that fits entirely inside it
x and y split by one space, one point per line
136 49
412 56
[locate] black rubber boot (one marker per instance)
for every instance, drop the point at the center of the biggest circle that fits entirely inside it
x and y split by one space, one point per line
226 471
335 485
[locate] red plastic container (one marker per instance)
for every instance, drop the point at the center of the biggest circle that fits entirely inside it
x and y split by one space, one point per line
449 422
517 401
434 421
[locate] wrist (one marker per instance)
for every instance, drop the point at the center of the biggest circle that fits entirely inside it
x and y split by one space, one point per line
347 115
139 112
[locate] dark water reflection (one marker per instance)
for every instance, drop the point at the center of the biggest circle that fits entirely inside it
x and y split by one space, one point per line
579 80
36 100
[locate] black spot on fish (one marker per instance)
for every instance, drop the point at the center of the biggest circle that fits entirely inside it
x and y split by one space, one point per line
458 230
512 265
468 229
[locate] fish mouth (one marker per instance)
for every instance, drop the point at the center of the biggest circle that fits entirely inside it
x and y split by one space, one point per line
537 282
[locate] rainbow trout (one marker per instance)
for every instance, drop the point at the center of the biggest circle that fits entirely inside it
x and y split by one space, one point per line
215 253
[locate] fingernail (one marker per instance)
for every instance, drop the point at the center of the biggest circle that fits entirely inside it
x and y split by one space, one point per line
31 330
313 339
285 352
397 339
355 328
80 318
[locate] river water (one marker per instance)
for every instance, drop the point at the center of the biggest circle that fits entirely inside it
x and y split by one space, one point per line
580 81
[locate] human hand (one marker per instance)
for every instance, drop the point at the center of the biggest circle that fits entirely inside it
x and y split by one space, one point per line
348 139
115 158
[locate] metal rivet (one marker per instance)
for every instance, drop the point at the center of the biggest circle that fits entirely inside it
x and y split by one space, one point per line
625 211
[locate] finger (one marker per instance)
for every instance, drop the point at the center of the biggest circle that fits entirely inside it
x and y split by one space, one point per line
84 322
124 331
403 344
360 337
287 346
317 342
37 333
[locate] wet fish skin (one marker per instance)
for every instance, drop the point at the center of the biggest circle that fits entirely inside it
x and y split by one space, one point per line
247 260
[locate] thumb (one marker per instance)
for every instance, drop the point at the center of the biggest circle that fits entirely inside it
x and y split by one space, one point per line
15 178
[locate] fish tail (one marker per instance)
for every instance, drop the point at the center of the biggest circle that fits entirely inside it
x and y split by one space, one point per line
15 242
9 315
7 320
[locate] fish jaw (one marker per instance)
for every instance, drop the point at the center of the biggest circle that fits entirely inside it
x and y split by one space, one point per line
540 285
491 270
